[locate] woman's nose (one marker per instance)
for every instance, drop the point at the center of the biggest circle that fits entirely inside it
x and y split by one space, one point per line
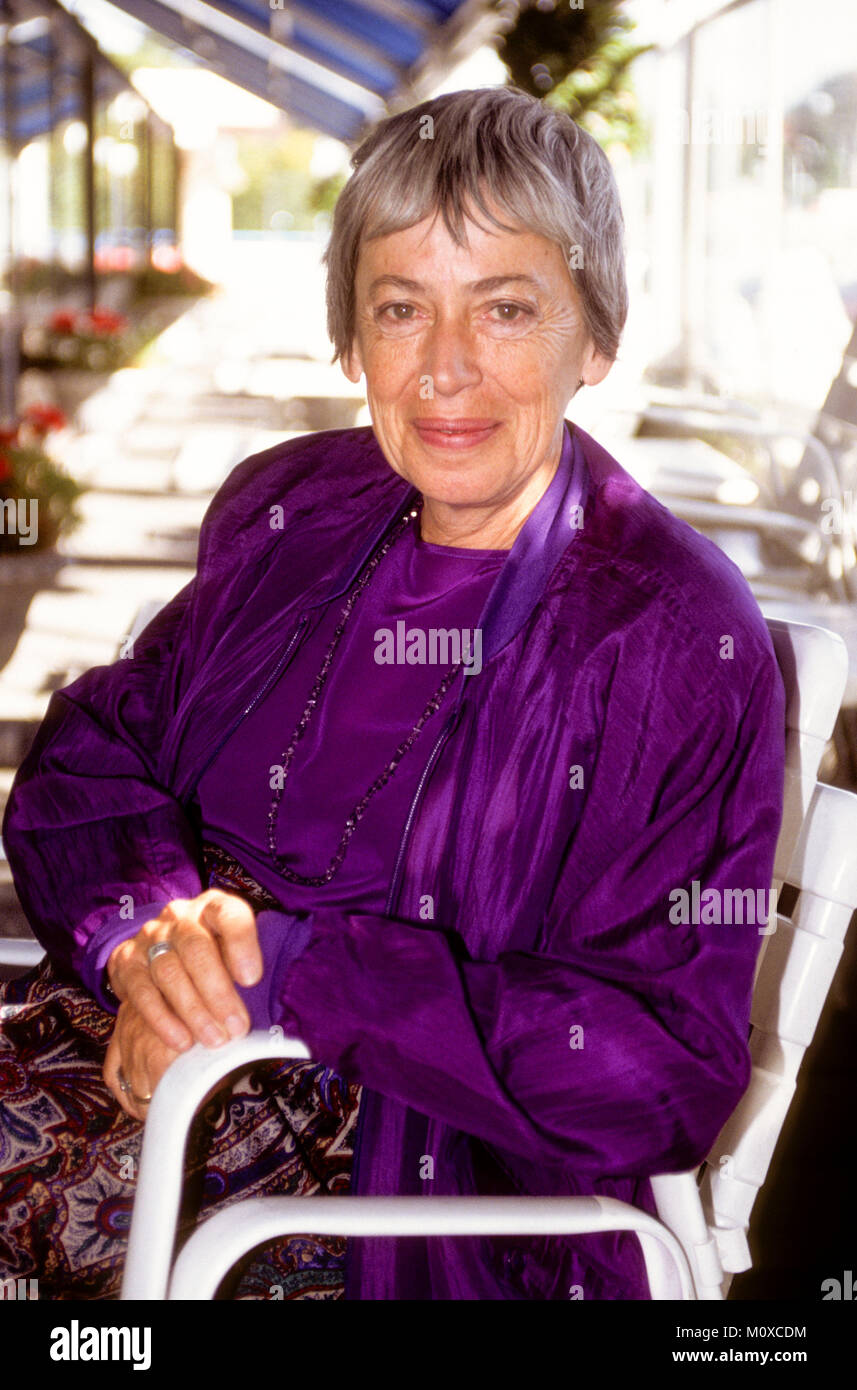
450 358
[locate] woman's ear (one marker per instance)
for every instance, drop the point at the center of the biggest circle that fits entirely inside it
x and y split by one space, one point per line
351 363
595 366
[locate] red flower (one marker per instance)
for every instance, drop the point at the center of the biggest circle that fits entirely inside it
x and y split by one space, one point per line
9 435
63 320
105 322
5 467
44 417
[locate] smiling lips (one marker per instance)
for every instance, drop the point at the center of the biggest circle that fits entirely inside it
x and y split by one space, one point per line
454 433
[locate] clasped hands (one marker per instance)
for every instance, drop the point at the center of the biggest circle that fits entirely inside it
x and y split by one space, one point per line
181 995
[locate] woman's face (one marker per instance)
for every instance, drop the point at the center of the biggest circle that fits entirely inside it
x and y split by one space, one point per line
471 355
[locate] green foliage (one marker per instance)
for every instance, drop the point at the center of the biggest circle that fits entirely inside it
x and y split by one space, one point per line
26 471
578 60
324 193
280 192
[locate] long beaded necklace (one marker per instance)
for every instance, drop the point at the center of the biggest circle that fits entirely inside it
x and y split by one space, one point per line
316 880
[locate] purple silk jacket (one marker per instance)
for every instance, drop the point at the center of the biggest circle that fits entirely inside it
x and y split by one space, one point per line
555 1028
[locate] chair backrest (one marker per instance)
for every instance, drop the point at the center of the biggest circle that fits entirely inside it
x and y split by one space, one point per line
792 984
813 662
710 1210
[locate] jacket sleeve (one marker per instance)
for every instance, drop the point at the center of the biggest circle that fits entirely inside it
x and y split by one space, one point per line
621 1044
96 846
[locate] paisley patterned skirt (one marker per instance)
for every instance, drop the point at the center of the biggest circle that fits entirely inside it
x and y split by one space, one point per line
69 1155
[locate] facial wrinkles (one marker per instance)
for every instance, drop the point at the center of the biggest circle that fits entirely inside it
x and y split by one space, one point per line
516 365
469 368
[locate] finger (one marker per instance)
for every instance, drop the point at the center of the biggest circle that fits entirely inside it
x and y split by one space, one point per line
143 992
233 922
169 974
112 1065
200 955
143 1057
139 1049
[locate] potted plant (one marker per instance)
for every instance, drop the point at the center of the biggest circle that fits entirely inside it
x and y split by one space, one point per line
97 339
37 498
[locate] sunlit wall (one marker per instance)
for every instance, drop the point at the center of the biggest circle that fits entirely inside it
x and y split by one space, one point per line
743 210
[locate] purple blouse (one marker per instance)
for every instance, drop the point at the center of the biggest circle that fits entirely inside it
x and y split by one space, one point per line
366 709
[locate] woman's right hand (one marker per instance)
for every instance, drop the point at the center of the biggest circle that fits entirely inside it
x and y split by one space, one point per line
137 1055
186 994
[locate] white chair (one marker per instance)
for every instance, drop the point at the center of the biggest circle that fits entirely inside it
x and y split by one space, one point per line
20 953
700 1240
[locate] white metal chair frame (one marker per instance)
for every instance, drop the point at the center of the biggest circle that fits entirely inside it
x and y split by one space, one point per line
700 1240
831 555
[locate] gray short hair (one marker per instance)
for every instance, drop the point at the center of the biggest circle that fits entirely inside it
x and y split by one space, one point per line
532 160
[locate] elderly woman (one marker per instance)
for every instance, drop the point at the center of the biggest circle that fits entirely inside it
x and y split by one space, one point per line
417 768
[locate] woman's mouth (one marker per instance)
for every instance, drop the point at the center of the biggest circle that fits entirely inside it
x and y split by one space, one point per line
454 433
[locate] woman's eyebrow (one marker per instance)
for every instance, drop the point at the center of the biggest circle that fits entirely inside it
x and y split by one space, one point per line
491 282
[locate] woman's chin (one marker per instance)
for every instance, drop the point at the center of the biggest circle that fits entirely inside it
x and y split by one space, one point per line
455 490
455 475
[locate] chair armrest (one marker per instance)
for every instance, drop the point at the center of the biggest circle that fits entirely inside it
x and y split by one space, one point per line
20 951
198 1072
767 430
221 1240
698 511
178 1095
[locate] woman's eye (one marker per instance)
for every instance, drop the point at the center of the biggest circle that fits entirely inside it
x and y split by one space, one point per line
399 313
505 312
511 313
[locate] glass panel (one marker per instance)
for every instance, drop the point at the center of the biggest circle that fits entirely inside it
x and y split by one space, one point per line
732 218
816 290
755 283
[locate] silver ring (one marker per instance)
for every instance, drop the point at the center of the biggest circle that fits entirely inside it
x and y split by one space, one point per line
125 1086
158 949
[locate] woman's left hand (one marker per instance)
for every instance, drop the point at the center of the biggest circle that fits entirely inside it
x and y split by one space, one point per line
143 1057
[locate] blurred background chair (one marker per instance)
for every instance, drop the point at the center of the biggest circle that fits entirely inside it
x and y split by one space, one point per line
776 491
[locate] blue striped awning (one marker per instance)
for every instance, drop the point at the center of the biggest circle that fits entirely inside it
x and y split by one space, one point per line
334 65
41 56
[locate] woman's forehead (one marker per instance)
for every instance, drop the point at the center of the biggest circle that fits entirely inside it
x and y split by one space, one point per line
414 256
